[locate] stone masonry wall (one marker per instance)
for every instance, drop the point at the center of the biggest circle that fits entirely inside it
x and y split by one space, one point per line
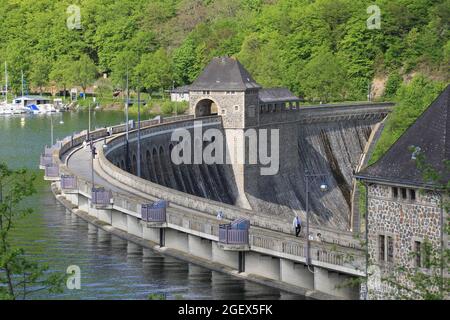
406 221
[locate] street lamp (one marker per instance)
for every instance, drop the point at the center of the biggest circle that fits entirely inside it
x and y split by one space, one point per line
138 160
309 178
93 154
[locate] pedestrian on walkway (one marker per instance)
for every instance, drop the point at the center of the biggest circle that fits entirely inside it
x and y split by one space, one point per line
297 224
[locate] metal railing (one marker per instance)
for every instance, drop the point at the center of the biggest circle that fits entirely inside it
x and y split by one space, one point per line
68 182
52 170
100 196
45 160
227 235
154 212
48 151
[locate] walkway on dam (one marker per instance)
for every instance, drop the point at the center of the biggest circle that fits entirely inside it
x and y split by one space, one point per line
79 163
274 254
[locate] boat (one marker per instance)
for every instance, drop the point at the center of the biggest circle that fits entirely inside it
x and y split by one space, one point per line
35 104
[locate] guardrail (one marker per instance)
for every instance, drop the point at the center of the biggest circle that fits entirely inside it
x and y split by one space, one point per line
233 236
280 243
68 182
153 212
100 196
45 160
52 170
48 151
235 233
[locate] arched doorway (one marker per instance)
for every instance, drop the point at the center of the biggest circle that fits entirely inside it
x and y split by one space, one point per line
205 108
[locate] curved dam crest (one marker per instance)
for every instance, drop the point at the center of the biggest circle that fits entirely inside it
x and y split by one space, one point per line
328 146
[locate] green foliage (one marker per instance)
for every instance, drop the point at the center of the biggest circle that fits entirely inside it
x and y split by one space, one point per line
157 296
154 72
61 75
172 107
19 277
84 72
392 85
281 42
412 99
324 77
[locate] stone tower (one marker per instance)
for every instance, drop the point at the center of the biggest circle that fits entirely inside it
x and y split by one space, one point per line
225 88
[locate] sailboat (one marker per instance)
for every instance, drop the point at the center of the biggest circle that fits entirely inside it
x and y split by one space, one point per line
10 108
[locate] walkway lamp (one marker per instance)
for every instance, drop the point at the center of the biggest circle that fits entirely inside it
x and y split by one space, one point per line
310 178
138 154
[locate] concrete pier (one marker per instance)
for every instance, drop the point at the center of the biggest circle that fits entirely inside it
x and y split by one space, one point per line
199 247
177 240
335 284
227 258
296 274
259 264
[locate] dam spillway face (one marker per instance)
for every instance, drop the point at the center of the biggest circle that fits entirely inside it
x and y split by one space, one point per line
333 148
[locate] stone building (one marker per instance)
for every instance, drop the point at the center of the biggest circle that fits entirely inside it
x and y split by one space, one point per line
227 89
180 94
403 209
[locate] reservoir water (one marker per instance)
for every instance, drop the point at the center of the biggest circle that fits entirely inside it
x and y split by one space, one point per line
111 268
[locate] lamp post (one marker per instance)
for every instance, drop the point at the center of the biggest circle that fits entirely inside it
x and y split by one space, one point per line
138 156
93 153
309 178
127 145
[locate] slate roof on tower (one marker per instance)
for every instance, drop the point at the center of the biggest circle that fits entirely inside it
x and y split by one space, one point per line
430 135
276 95
225 74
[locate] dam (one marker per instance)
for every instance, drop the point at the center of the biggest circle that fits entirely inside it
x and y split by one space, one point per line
330 140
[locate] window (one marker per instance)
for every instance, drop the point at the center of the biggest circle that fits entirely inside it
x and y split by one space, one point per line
412 194
418 254
224 111
381 244
251 111
385 249
206 92
404 194
236 108
395 192
390 249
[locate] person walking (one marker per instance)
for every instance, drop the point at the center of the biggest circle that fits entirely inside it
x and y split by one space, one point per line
297 224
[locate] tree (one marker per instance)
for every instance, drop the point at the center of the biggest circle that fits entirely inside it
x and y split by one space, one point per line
155 71
84 73
61 74
412 99
19 277
323 77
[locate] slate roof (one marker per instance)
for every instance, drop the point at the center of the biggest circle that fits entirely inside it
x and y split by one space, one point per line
430 133
224 74
182 89
277 94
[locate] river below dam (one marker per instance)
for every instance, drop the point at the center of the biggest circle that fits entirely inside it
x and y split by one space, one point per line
111 268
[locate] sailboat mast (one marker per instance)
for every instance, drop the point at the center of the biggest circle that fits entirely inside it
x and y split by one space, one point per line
6 82
22 82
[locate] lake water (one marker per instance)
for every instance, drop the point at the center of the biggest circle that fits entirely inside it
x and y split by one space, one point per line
111 268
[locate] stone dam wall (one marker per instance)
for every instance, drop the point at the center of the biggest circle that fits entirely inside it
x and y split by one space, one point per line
322 142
